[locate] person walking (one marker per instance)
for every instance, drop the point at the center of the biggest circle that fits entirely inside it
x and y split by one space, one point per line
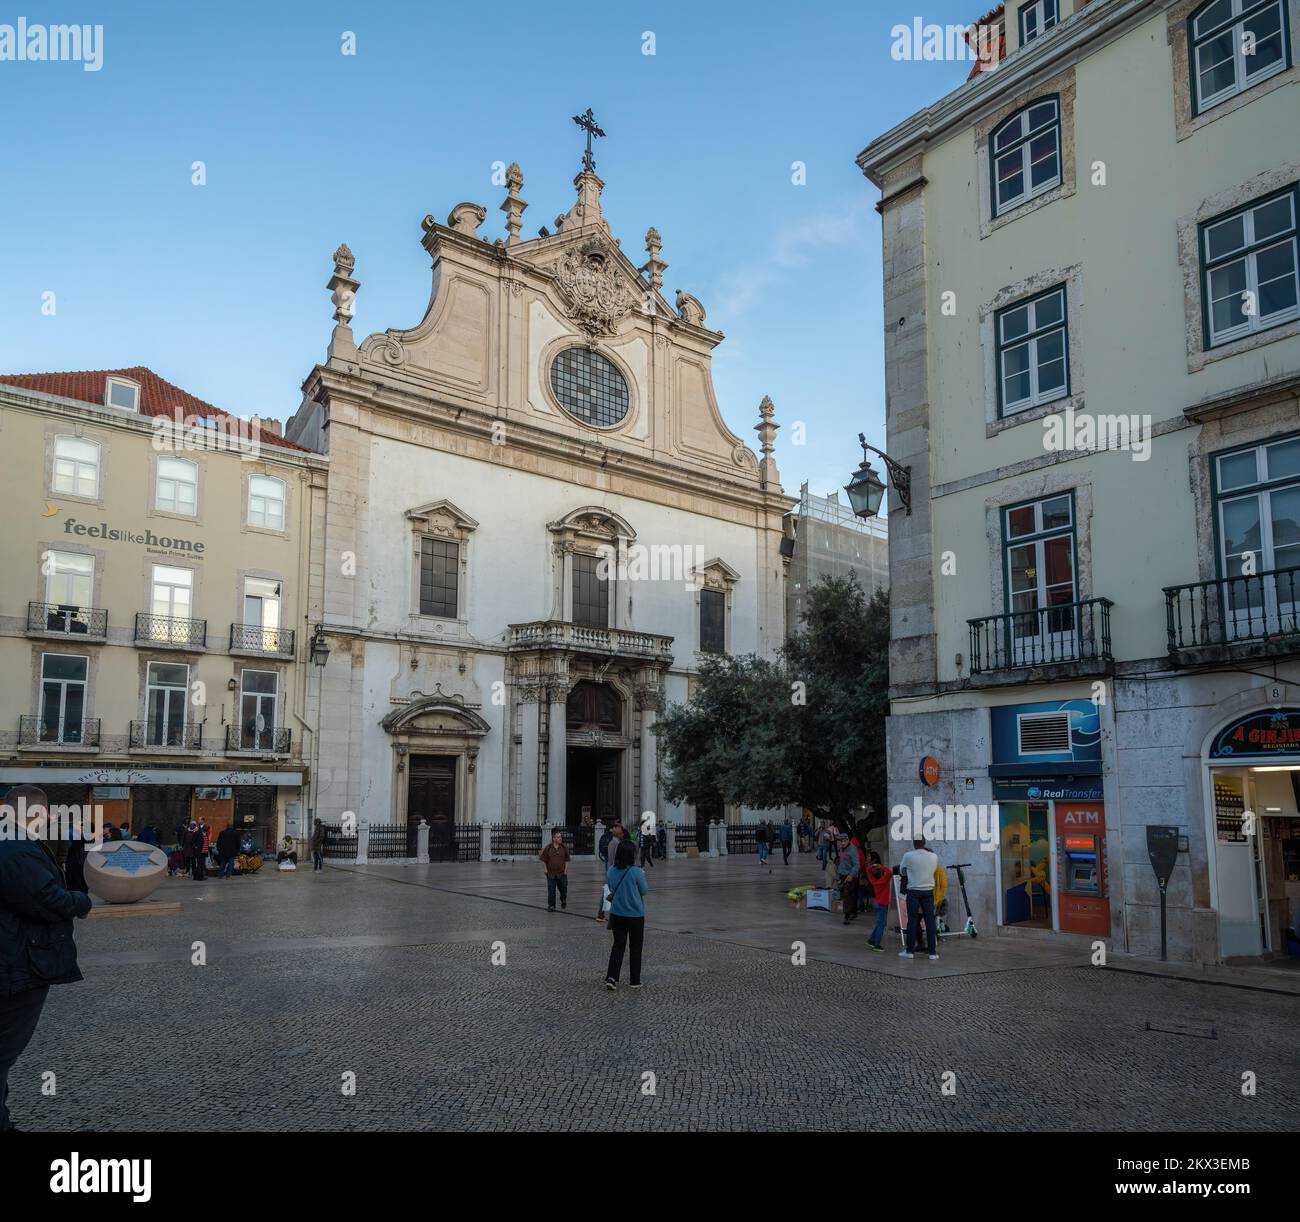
555 857
848 867
760 838
227 850
627 891
917 869
786 833
861 897
193 848
876 882
824 841
647 848
318 847
37 948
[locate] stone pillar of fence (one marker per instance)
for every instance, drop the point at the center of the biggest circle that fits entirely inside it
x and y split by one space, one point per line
363 842
670 839
722 838
422 841
713 837
485 842
597 833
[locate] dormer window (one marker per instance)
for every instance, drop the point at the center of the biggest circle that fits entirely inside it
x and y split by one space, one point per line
121 393
1037 18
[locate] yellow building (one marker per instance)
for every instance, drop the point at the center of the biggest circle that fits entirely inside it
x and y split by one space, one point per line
151 630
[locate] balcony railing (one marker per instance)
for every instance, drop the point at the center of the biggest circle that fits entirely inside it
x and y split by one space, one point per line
253 638
1262 609
37 732
88 622
169 630
160 734
273 740
1045 636
559 634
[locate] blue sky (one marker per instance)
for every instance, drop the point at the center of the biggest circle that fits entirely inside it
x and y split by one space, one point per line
220 288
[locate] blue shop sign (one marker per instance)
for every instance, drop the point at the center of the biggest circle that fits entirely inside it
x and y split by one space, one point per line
1049 789
1055 732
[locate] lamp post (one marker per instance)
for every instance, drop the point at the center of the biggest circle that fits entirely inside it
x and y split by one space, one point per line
866 489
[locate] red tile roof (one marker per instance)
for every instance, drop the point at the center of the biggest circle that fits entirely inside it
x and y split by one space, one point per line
158 397
995 16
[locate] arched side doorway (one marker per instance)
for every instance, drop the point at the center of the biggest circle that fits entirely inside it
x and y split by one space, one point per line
595 749
435 742
1251 779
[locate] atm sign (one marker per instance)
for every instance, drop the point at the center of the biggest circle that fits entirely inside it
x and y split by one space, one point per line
1086 843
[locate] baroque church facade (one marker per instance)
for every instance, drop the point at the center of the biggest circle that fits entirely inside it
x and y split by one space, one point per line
537 522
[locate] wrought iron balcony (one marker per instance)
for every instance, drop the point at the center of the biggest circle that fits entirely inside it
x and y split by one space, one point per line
1065 634
271 740
560 634
160 734
253 638
1243 616
89 623
38 732
171 631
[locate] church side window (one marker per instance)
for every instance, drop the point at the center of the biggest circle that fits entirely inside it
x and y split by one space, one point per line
439 577
590 592
713 621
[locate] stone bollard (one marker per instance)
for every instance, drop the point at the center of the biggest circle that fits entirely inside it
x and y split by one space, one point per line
670 840
363 842
713 838
722 838
485 842
422 841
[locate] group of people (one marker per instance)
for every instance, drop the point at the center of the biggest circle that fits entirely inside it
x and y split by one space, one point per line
622 901
864 880
768 834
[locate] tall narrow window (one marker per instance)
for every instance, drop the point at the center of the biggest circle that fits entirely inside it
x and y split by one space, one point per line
713 621
257 709
1026 154
1032 352
261 614
70 578
178 486
1250 275
76 466
167 687
1258 495
170 606
63 697
266 502
1236 44
1037 18
590 591
439 577
1039 558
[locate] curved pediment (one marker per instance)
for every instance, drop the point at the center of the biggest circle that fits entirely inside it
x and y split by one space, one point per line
593 521
435 715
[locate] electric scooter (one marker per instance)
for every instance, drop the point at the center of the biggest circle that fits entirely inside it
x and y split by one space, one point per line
971 931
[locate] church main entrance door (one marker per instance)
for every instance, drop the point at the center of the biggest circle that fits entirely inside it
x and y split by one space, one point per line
431 796
593 784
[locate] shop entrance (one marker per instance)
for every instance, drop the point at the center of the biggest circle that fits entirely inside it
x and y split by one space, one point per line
1026 851
592 784
255 812
165 807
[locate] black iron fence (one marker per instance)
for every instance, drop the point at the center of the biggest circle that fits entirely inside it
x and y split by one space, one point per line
516 840
387 841
684 837
36 732
168 630
1044 636
581 840
339 847
160 734
742 839
253 638
88 622
1263 608
272 740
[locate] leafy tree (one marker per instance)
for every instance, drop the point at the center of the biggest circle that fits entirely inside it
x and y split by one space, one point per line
806 728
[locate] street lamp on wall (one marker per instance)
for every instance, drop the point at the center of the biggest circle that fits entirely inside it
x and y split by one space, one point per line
320 651
867 490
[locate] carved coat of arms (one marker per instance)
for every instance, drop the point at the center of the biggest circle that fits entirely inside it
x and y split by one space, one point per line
591 285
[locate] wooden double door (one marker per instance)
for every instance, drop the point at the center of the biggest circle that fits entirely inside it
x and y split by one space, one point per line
431 796
592 784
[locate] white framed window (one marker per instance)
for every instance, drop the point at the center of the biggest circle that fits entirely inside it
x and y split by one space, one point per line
69 578
1250 274
122 392
1032 343
177 488
266 502
1037 18
1236 44
172 592
76 466
166 694
258 709
63 697
1026 154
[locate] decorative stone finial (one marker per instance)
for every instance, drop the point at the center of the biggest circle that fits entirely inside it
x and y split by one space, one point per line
466 218
342 287
767 409
654 267
587 210
766 429
689 309
513 205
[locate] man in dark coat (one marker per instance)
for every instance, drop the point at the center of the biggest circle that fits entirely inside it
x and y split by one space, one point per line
227 850
36 944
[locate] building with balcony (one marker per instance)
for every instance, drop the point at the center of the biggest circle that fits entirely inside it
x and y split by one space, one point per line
1093 370
149 629
537 524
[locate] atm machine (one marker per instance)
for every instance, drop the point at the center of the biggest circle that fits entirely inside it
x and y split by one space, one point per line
1082 868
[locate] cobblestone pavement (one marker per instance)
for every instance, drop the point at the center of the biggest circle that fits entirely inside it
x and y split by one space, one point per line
386 973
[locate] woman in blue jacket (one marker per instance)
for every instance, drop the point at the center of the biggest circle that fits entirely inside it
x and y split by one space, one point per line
627 891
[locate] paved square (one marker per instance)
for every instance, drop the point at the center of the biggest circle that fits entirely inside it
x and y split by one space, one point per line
386 972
